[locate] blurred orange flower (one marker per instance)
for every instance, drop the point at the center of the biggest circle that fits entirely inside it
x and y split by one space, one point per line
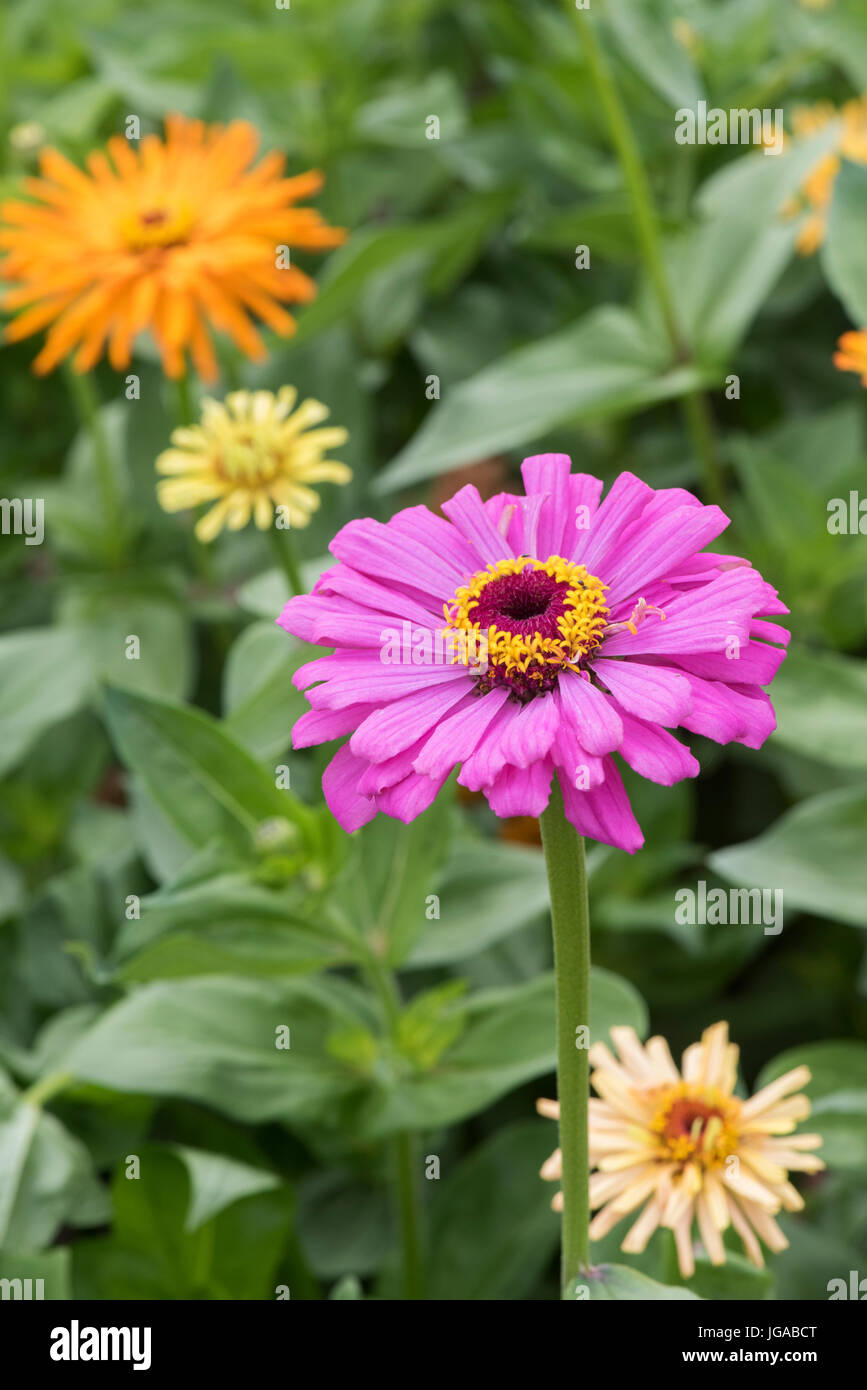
181 236
817 189
852 355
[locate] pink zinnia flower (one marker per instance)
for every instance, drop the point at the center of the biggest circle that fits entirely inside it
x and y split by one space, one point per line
577 629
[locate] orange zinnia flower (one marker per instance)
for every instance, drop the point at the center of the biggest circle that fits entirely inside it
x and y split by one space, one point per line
179 236
852 355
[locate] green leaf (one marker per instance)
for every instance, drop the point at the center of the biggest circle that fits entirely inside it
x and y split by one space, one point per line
399 118
391 875
508 1039
492 1227
217 1041
476 910
32 693
821 703
343 1223
206 785
605 365
46 1176
347 1288
105 616
228 924
646 41
736 1279
724 269
447 245
217 1181
814 854
838 1091
154 1251
51 1266
618 1283
843 251
259 700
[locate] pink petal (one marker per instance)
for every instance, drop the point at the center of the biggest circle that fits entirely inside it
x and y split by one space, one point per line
521 791
394 727
592 715
654 753
650 692
340 788
604 813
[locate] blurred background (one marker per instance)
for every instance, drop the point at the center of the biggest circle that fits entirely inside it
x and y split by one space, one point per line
165 910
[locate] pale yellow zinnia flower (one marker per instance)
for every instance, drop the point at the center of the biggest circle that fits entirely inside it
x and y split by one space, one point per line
250 454
684 1148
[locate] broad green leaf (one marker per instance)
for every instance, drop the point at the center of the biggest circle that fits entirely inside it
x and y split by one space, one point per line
259 700
46 1177
723 270
44 677
206 785
391 875
343 1222
736 1279
399 117
647 43
105 617
348 1288
218 1041
618 1283
605 365
217 1181
153 1251
492 1227
838 1091
447 245
814 854
51 1267
508 1039
477 909
843 251
821 703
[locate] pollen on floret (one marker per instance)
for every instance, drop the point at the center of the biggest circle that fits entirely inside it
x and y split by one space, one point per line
534 619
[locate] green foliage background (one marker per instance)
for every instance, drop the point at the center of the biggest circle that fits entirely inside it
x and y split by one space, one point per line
262 1167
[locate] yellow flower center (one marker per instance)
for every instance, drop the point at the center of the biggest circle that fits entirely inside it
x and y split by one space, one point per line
696 1123
248 457
157 226
531 619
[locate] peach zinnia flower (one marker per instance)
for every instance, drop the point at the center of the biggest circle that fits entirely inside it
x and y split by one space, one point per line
817 189
178 236
852 355
249 455
684 1147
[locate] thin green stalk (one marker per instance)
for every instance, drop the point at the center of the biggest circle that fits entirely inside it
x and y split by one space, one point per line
284 554
570 919
48 1087
694 406
404 1157
87 407
406 1163
184 400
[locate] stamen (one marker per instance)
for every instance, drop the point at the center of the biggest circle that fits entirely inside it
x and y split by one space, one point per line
539 618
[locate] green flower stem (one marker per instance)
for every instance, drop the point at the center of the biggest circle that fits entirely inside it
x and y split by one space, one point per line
404 1156
405 1160
284 554
184 400
694 406
570 919
87 407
